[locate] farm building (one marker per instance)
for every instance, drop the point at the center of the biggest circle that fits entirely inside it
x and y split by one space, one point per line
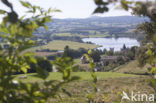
104 60
83 60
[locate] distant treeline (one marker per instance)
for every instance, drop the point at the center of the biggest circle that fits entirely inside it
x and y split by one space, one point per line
69 38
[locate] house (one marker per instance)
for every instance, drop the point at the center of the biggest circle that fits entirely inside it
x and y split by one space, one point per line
83 60
107 59
96 69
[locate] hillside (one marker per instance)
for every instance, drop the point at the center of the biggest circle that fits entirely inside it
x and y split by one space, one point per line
110 86
132 67
60 44
122 26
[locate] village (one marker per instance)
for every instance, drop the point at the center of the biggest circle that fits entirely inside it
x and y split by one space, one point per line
111 59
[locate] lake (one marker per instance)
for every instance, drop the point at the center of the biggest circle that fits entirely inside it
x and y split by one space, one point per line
117 44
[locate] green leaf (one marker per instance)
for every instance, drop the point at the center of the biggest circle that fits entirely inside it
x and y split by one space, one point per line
47 19
42 73
49 10
56 10
153 70
38 94
100 2
24 69
149 52
4 30
2 12
26 4
33 60
12 17
46 27
124 4
100 9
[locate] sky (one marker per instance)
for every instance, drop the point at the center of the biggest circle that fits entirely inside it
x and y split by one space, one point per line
69 8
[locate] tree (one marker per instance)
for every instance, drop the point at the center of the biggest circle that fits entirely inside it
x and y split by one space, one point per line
42 63
95 56
68 52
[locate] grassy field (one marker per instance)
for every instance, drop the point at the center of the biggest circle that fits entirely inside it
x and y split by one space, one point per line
82 36
132 67
60 44
69 35
110 86
77 61
44 54
99 36
110 90
83 76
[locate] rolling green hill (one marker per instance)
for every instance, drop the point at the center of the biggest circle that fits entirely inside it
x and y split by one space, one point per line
60 44
122 26
131 67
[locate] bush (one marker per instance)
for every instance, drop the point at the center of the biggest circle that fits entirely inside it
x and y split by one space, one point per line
42 63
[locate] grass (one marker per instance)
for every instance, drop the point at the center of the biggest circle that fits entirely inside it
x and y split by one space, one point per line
77 61
110 86
83 76
45 54
82 36
60 44
132 67
99 36
69 35
110 90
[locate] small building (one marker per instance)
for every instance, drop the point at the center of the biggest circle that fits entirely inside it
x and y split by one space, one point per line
107 59
96 69
83 60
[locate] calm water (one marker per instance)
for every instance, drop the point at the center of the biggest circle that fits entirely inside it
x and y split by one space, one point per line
108 43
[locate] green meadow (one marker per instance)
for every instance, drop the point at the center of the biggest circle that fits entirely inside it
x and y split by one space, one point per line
60 44
82 75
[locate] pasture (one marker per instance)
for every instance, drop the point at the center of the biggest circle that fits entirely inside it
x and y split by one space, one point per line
60 44
82 36
83 76
110 86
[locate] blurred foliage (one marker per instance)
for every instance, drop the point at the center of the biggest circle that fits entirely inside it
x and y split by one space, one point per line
64 65
17 33
42 63
92 95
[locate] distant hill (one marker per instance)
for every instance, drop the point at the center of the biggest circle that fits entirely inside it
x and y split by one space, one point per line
119 26
113 19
